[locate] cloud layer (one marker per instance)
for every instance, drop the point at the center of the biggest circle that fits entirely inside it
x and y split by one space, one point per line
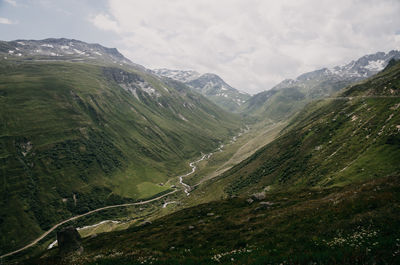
252 44
6 21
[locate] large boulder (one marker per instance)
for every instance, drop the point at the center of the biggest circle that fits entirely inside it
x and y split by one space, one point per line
69 240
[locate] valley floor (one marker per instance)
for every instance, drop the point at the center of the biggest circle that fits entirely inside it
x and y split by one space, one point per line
207 167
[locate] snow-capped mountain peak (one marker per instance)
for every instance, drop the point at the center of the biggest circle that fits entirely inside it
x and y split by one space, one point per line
365 66
354 71
63 49
210 85
179 75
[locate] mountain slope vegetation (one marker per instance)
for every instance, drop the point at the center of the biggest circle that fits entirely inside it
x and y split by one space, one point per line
323 192
78 132
335 141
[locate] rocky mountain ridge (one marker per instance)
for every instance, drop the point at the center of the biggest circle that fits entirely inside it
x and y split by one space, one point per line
356 70
210 85
63 49
291 95
179 75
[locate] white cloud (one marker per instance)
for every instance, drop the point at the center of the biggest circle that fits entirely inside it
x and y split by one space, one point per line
104 22
252 44
6 21
11 2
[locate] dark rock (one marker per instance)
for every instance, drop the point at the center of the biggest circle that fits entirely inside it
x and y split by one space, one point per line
69 240
264 206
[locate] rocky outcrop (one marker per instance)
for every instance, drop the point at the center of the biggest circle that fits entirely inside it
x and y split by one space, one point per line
69 240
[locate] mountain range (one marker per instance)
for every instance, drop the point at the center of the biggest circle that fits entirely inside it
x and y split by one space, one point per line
63 49
287 97
291 95
210 85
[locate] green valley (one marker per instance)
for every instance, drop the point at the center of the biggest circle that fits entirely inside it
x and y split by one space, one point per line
325 191
78 135
152 172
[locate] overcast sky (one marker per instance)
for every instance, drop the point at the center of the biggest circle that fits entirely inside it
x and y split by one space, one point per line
252 44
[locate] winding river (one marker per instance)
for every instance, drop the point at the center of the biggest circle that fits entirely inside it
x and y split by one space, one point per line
186 188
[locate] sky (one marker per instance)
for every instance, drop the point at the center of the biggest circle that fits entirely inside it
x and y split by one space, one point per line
252 44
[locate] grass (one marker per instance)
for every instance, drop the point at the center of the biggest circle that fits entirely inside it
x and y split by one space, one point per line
147 189
69 128
328 226
127 183
236 151
330 143
331 181
328 197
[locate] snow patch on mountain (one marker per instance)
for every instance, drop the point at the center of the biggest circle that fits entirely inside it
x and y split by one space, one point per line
78 51
146 87
210 85
47 45
377 65
356 70
179 75
66 49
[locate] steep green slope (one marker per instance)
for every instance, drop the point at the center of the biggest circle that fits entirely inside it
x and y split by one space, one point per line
275 105
76 136
282 102
336 141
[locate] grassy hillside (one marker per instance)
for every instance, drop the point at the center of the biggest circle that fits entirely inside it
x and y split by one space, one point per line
332 142
75 136
324 226
326 191
275 105
323 192
282 103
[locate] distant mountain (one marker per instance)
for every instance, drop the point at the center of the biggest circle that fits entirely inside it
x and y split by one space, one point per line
210 85
291 95
179 75
81 126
